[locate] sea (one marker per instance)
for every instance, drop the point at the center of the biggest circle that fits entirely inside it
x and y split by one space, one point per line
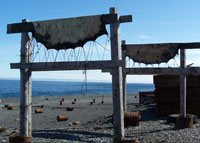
11 88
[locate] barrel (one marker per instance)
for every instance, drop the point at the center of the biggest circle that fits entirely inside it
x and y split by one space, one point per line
62 118
69 108
18 139
10 108
38 111
185 122
131 118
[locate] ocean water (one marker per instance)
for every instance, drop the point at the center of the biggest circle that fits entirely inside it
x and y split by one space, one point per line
11 88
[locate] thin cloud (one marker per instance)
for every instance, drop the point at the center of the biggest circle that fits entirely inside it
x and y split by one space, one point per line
142 36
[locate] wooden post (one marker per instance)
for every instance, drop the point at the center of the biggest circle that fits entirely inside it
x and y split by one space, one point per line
118 113
182 85
25 87
124 77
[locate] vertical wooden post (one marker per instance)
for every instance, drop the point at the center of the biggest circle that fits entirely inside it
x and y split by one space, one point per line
118 113
124 77
25 86
182 85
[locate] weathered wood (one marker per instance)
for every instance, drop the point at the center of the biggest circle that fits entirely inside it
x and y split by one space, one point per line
124 77
182 85
193 45
152 71
126 18
55 66
118 113
25 87
28 27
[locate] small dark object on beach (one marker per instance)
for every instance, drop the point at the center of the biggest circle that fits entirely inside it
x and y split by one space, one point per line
73 102
2 130
38 111
47 99
7 105
61 102
185 122
15 138
63 99
125 140
69 108
42 106
94 100
102 102
62 118
10 108
131 118
91 103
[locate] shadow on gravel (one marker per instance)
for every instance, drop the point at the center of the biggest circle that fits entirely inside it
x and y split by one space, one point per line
63 134
150 115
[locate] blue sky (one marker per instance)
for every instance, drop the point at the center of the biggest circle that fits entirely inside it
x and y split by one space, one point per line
153 21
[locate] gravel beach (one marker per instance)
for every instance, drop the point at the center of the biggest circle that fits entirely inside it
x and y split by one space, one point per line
95 121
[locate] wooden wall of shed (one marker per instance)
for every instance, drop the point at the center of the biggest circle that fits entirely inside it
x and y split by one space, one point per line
167 94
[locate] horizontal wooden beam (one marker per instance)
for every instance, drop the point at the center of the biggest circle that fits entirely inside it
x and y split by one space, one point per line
55 66
28 27
193 45
126 18
153 71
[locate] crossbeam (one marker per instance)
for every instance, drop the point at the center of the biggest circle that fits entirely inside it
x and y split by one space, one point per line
55 66
28 27
153 71
192 45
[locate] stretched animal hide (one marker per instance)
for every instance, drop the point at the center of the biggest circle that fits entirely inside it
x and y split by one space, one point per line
68 33
151 53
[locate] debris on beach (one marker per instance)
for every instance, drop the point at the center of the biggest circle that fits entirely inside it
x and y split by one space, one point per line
7 105
69 108
73 102
62 118
38 111
10 107
76 123
2 130
61 102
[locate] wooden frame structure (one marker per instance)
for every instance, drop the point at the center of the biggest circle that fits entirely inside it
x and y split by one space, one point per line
26 67
182 70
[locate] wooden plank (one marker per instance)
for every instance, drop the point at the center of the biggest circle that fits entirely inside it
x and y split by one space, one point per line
118 112
193 45
25 87
172 71
126 18
79 65
182 85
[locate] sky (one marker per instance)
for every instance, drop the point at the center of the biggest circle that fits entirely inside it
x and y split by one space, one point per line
154 21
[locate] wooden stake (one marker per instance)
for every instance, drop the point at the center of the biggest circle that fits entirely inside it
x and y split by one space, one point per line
25 87
124 77
118 114
182 85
